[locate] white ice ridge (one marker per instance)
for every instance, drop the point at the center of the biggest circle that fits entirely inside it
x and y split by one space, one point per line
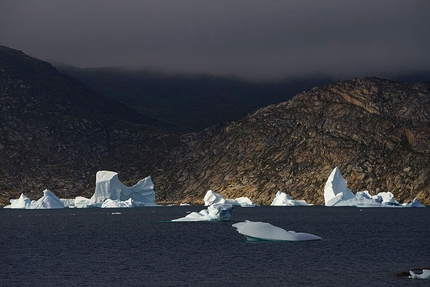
48 201
215 212
212 197
424 275
283 199
336 193
266 231
108 186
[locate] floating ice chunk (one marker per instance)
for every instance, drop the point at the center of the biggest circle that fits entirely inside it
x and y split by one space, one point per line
336 193
81 202
48 201
336 189
386 198
244 202
424 275
21 203
283 199
212 197
129 203
266 231
111 203
68 202
215 212
108 186
414 203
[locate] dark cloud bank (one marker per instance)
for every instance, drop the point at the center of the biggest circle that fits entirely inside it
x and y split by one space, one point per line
254 39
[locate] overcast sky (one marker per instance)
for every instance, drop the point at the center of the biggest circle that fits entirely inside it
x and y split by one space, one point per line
254 39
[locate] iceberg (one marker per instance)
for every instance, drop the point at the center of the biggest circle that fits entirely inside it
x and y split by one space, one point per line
424 275
48 201
21 203
215 212
81 202
212 197
283 199
129 203
336 193
255 231
336 189
414 203
108 186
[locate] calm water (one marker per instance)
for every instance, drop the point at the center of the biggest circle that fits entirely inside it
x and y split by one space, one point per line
139 247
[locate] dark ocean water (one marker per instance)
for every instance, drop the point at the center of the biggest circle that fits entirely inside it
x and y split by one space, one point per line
139 247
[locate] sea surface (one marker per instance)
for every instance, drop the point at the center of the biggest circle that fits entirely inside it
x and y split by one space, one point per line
140 247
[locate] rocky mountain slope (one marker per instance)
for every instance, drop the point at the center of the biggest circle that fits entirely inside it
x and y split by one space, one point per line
376 131
56 133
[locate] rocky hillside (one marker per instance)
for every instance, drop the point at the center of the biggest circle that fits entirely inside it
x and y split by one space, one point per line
56 133
376 131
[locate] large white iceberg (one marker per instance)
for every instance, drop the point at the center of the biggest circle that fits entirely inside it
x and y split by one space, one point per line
215 212
424 275
108 186
21 203
212 197
336 189
283 199
336 193
265 231
48 201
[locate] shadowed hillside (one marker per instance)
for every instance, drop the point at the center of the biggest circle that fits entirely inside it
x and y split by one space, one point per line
189 102
56 133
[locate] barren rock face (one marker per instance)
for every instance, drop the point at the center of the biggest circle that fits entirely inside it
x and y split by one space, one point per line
376 131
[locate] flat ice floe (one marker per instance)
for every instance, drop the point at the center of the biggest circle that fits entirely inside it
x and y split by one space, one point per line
265 231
